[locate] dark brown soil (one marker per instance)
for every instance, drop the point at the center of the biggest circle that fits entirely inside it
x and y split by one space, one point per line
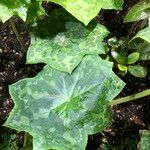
128 118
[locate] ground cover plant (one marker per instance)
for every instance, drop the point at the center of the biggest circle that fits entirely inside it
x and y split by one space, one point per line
63 64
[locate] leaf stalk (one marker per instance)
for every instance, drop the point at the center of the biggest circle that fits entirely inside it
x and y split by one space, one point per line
17 34
130 98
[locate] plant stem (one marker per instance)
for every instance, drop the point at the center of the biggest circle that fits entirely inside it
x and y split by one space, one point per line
130 98
17 35
149 20
25 140
27 144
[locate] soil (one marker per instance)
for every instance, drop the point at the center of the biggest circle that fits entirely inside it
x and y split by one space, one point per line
128 118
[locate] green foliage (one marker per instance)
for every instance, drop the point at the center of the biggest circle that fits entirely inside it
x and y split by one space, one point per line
26 9
86 10
8 142
35 10
143 34
145 140
9 8
138 11
32 8
138 71
64 50
122 68
132 58
70 98
59 110
144 51
141 11
119 56
113 42
128 62
142 47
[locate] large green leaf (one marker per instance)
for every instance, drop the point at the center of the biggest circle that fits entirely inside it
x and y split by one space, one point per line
60 110
86 10
143 34
65 49
23 8
145 140
138 11
8 8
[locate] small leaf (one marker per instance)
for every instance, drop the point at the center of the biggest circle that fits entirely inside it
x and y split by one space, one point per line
138 71
113 42
88 8
145 140
119 55
64 49
143 34
137 12
59 109
144 51
132 58
122 68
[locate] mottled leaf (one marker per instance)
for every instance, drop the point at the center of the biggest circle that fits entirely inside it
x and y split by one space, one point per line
64 50
137 12
138 71
8 8
23 8
145 140
133 57
60 110
144 51
86 10
143 34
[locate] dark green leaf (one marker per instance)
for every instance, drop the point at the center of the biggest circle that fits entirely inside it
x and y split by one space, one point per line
60 110
143 34
113 42
137 12
35 10
119 55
